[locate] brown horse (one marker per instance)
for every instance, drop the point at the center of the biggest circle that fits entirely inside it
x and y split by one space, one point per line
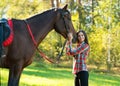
20 52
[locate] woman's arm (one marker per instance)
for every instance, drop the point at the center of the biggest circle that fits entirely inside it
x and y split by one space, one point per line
84 47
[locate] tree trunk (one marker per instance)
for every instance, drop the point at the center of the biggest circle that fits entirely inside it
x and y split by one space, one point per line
52 3
58 4
79 2
109 65
79 13
118 3
67 1
93 12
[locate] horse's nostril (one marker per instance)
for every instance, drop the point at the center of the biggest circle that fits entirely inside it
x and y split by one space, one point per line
74 40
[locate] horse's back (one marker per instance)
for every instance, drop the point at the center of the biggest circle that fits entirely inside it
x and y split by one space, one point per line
21 49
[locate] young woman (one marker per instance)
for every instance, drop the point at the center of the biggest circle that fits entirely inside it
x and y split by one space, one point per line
80 54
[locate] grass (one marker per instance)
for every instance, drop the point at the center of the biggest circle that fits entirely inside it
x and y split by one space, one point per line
57 76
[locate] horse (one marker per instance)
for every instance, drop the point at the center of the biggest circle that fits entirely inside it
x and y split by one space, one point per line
20 52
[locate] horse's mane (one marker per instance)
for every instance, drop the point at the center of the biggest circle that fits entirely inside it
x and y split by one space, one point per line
43 14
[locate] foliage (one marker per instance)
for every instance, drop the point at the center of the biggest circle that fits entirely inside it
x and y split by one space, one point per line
97 46
104 13
52 47
22 8
105 28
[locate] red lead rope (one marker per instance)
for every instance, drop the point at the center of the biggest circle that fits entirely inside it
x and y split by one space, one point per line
35 43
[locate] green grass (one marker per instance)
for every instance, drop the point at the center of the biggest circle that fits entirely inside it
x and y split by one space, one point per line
54 76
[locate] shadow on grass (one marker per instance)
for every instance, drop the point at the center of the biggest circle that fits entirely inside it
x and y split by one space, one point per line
105 79
48 72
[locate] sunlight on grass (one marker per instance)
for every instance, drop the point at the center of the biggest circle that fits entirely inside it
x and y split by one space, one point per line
40 81
104 80
43 77
35 76
4 78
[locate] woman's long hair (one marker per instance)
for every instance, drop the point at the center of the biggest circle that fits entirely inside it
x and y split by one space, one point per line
86 38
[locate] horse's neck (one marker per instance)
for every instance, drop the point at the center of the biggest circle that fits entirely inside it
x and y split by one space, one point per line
41 26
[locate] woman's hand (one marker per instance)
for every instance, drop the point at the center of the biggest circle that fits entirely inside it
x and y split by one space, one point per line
70 37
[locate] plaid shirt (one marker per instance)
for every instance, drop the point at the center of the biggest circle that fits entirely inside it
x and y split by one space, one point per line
80 54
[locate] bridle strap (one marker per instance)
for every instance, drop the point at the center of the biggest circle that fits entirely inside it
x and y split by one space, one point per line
35 43
60 54
67 30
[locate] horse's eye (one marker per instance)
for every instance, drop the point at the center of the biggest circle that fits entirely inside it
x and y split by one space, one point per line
65 14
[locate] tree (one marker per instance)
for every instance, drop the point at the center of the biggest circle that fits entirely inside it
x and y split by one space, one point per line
52 3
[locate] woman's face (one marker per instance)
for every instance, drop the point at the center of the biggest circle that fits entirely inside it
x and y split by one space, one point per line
81 37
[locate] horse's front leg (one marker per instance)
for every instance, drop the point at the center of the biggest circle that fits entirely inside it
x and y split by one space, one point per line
14 75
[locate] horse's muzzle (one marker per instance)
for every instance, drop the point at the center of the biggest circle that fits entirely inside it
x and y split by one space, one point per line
74 40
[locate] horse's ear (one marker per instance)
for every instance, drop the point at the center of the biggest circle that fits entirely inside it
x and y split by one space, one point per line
65 7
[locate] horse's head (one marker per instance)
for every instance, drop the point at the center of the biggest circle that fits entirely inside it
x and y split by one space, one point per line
63 24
